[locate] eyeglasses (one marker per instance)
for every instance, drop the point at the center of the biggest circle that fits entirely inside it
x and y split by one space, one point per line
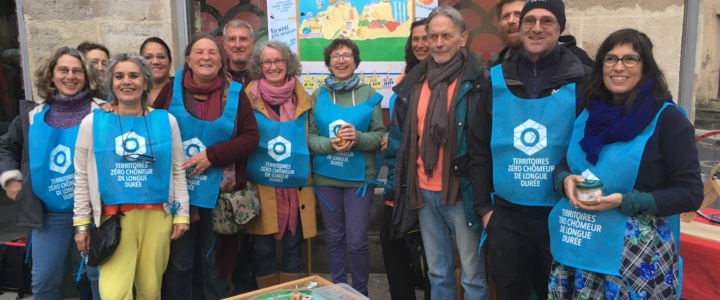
420 19
132 144
64 71
160 57
345 57
630 60
277 63
545 22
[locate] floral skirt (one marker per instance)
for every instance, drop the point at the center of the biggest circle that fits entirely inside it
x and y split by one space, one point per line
649 264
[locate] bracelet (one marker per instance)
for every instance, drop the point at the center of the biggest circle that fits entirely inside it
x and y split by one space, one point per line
82 228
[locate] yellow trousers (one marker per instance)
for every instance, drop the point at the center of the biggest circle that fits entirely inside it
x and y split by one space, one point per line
141 256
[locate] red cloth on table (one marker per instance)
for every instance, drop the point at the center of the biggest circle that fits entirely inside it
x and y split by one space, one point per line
701 265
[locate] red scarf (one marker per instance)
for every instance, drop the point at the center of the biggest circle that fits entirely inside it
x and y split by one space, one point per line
211 108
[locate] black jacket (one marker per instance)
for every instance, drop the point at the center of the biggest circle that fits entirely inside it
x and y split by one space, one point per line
568 70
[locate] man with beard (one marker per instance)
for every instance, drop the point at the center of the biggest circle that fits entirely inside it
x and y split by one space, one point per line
508 13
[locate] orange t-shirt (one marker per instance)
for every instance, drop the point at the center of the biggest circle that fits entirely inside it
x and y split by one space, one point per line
434 182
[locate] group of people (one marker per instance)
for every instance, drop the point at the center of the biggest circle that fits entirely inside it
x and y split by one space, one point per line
490 154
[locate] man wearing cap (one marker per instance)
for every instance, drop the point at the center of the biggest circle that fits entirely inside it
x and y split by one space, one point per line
521 130
508 13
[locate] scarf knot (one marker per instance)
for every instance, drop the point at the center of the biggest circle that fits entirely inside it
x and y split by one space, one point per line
608 123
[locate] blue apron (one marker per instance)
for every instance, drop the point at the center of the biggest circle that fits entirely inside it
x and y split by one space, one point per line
348 165
51 163
591 240
282 159
123 178
197 135
529 137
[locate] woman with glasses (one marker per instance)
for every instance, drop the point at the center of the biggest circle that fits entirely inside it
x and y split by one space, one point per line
280 167
345 131
638 143
397 260
128 162
36 164
157 53
219 132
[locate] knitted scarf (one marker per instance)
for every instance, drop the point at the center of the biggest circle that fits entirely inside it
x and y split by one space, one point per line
608 123
437 121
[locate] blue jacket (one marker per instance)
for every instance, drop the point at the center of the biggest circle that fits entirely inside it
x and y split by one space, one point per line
398 148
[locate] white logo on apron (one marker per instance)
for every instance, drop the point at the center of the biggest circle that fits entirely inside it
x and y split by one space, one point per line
530 137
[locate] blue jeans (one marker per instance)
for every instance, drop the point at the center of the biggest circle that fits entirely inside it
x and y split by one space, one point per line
178 279
437 223
292 252
51 248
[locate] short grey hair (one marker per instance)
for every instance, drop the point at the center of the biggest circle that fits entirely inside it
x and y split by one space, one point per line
145 70
293 68
239 23
449 12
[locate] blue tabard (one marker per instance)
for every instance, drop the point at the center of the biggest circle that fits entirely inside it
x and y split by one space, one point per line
51 163
127 179
529 137
348 165
391 105
198 134
282 159
591 240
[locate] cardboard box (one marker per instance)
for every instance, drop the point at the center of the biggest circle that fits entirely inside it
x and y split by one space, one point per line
300 284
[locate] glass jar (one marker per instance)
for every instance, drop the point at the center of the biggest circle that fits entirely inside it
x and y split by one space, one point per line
589 191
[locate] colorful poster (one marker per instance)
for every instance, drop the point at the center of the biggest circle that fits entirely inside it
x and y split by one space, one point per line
282 22
380 28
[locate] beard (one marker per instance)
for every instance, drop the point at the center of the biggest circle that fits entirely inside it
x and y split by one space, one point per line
512 42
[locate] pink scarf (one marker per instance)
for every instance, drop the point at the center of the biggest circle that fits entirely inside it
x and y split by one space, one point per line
282 96
286 198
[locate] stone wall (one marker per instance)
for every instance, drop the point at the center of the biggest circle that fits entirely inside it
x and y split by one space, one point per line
120 25
592 21
708 59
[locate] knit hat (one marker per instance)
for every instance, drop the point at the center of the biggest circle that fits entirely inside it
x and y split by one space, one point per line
554 6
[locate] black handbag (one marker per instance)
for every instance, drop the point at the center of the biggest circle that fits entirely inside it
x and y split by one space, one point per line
104 241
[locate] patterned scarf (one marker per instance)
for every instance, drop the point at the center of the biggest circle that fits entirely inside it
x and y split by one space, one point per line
340 86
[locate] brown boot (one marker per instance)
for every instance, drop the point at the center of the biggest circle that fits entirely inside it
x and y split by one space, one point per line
287 277
267 281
